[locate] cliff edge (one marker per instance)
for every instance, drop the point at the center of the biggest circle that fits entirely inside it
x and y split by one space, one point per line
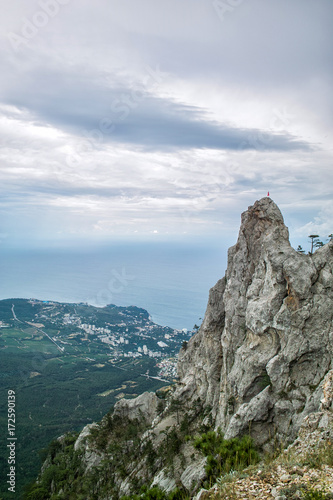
260 364
265 345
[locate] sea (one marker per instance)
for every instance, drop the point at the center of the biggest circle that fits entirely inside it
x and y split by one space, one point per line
170 280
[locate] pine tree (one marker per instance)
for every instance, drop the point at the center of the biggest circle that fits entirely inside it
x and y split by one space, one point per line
314 239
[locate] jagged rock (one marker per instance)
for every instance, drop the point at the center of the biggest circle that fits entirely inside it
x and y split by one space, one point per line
143 407
265 345
91 457
261 363
193 475
327 401
164 481
316 424
81 442
203 494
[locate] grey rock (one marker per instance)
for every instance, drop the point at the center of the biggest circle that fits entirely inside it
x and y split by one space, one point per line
327 399
202 494
265 345
274 492
285 478
194 474
143 407
261 363
90 457
164 481
81 442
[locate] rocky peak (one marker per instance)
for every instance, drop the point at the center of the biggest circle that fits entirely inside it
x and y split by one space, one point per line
261 363
261 219
265 343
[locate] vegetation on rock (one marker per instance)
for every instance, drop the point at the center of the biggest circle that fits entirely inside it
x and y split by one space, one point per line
261 360
225 455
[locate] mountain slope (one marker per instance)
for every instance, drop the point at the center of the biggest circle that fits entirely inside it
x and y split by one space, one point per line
258 365
266 340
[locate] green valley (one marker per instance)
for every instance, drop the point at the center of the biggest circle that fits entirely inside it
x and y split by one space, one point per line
69 364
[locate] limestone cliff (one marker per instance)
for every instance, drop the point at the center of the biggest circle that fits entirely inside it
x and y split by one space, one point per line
265 344
260 363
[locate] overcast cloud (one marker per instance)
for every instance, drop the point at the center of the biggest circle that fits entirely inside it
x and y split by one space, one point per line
163 118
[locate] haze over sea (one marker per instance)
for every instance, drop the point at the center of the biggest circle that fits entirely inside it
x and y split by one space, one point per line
170 280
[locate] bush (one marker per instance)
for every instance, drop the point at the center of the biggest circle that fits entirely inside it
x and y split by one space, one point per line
156 494
38 493
224 455
316 495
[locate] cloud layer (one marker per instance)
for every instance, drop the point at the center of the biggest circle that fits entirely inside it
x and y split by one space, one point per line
163 118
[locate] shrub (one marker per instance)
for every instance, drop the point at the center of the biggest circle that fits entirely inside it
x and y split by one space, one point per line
156 494
224 455
316 495
38 493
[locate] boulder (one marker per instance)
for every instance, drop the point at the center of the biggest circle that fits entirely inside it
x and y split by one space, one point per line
144 407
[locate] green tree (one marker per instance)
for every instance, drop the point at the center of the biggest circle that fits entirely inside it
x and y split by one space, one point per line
314 239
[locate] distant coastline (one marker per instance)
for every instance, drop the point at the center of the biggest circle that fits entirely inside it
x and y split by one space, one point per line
170 283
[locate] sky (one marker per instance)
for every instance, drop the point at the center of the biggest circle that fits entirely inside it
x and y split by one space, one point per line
163 120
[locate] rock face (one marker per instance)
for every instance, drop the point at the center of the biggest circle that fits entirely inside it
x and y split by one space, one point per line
261 363
91 458
265 344
144 407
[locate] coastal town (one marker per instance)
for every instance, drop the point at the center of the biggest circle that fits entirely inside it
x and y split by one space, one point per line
112 333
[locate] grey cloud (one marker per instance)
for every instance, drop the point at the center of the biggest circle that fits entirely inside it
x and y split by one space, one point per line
133 115
263 55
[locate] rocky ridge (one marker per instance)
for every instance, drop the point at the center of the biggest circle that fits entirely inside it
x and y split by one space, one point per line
265 344
260 363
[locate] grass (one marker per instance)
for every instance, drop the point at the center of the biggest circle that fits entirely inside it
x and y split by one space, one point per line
315 458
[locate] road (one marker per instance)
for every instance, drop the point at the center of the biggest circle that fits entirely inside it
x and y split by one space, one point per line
61 349
156 378
14 315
